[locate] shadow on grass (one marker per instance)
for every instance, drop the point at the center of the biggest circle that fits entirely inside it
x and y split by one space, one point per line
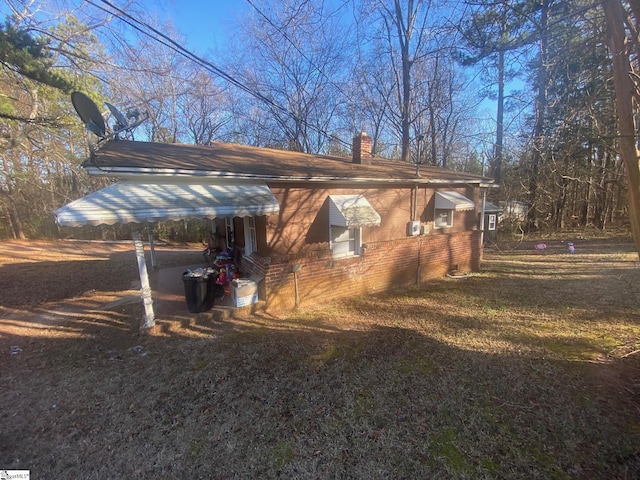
265 401
25 281
387 386
32 283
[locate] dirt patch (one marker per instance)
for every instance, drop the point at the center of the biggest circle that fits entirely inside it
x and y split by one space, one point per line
527 369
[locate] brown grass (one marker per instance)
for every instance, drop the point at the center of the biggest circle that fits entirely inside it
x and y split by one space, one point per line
528 370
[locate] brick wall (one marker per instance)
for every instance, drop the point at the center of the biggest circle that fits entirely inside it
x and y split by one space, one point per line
384 265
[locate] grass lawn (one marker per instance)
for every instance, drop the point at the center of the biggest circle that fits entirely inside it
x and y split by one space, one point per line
528 369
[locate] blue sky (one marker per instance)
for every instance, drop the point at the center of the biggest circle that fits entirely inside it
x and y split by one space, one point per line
204 23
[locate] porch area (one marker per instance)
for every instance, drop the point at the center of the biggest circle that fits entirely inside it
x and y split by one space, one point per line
170 305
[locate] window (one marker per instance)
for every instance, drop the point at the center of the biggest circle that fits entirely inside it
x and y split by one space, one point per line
446 204
492 221
345 241
443 218
347 215
250 243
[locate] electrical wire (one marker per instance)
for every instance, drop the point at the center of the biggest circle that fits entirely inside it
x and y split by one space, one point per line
168 42
165 40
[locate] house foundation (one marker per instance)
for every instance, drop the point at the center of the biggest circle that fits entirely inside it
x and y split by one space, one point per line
383 266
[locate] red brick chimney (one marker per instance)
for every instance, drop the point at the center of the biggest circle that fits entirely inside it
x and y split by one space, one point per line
362 149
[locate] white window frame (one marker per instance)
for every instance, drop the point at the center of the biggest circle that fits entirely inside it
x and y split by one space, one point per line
491 221
439 215
250 241
340 246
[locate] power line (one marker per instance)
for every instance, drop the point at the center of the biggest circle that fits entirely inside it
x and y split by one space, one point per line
168 42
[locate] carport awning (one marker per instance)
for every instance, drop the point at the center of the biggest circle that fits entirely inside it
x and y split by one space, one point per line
352 211
453 201
132 202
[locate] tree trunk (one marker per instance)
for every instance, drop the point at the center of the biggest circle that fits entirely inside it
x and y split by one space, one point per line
14 219
538 129
625 91
405 38
599 187
432 114
434 134
497 168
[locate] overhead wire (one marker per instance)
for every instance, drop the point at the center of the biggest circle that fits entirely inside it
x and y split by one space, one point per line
144 28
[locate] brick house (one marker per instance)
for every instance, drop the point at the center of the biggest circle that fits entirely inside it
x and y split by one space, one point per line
308 227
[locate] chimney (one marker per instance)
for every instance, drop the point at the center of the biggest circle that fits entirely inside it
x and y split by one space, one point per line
362 149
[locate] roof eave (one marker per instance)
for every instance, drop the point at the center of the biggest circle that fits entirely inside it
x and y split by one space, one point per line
123 172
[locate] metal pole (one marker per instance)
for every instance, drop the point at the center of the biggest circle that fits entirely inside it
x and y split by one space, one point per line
152 249
484 201
419 255
149 320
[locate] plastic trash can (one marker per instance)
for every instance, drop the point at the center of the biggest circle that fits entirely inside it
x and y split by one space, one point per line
198 291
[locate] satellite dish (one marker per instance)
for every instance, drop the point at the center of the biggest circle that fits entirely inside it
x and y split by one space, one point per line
89 114
125 122
94 121
121 121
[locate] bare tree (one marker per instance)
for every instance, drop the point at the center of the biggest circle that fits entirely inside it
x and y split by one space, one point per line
293 57
405 31
204 109
150 76
438 106
373 94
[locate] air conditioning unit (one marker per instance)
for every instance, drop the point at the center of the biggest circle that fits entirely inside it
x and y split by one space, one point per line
425 229
413 228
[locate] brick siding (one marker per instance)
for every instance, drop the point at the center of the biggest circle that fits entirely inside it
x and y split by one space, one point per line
383 266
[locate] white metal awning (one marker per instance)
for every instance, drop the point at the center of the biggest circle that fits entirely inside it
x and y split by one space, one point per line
453 201
352 211
133 202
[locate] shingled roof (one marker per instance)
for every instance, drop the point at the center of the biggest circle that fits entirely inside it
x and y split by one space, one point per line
233 161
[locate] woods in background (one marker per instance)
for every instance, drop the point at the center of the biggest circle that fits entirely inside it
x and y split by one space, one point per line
521 91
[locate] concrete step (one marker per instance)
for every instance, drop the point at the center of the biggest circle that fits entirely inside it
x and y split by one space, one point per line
218 313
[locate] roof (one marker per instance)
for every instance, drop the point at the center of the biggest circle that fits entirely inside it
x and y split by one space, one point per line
492 208
133 202
241 162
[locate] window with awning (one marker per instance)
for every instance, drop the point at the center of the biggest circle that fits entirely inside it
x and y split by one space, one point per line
453 201
446 203
347 215
133 202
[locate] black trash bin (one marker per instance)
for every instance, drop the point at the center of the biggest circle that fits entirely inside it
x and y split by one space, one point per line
198 291
211 289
